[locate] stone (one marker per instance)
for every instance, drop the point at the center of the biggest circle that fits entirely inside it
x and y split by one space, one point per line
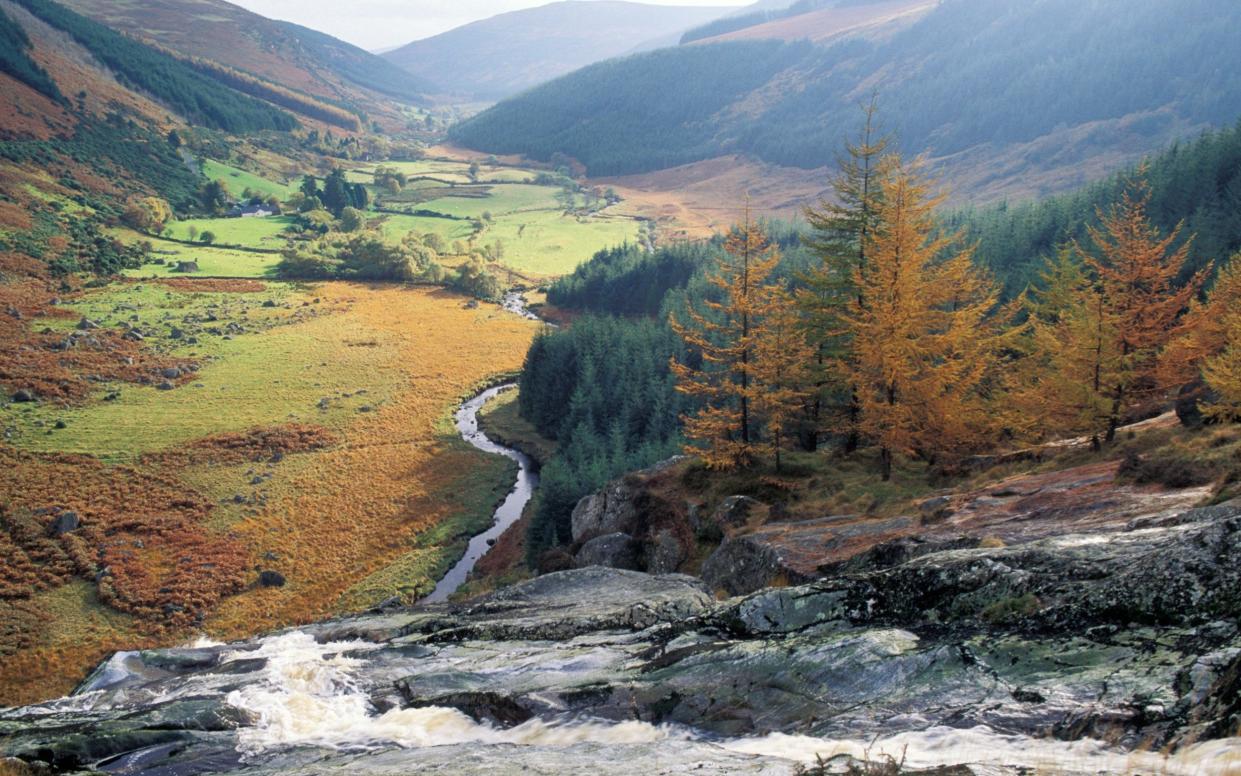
65 522
269 578
165 385
615 550
86 324
175 333
664 553
269 303
170 372
936 509
133 335
611 510
734 512
1130 637
186 266
1190 400
23 395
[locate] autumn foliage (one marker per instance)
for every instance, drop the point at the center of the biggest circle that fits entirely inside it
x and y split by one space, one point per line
901 336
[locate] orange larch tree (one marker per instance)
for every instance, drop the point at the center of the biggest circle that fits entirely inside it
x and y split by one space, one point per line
1072 354
924 342
782 367
1136 268
723 430
840 238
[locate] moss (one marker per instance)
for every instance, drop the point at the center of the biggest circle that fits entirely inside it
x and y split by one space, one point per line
1008 610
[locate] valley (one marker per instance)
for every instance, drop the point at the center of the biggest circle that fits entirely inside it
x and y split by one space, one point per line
798 388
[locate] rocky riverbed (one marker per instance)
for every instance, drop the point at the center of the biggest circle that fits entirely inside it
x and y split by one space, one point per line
1081 653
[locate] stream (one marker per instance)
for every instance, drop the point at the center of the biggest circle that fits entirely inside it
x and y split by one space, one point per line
507 513
510 510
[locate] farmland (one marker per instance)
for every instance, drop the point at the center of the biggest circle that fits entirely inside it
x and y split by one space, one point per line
545 229
246 455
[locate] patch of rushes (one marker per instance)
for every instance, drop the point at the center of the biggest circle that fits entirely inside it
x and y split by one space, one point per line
265 360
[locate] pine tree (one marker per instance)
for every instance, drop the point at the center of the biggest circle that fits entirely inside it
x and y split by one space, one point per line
1137 269
724 336
924 342
841 233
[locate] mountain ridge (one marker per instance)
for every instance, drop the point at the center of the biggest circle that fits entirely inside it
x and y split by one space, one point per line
510 52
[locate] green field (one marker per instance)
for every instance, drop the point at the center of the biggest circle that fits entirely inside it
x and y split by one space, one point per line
396 226
239 180
247 232
502 199
528 220
263 376
554 244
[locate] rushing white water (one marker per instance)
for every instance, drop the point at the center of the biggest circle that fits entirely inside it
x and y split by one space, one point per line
309 695
950 746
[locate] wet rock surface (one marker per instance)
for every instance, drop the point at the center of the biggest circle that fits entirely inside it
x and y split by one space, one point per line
1129 636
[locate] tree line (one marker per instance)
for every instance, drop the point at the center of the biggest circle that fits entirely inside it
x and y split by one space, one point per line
897 338
1195 182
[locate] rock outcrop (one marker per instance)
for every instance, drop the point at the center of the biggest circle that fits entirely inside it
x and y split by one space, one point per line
1128 636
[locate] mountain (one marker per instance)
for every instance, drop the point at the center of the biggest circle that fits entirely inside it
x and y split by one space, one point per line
512 52
293 56
1112 81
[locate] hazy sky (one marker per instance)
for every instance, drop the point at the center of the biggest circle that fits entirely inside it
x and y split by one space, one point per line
376 24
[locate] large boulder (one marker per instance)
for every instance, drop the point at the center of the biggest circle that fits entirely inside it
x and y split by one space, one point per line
1190 401
794 552
609 511
615 550
664 552
65 522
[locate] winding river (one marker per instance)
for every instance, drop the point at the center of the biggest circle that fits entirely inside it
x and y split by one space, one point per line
507 513
510 511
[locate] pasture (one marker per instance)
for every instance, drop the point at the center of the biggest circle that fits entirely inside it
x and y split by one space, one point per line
266 233
239 180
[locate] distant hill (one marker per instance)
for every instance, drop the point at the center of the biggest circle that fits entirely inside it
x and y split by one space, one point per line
815 20
512 52
1111 79
293 56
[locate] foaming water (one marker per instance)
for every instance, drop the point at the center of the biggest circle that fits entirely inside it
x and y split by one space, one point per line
308 695
981 745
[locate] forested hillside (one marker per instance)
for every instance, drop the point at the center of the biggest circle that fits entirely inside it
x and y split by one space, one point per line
298 58
508 53
1196 183
199 98
963 77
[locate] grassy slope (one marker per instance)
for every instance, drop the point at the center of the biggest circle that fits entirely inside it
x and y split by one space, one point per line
385 363
239 180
